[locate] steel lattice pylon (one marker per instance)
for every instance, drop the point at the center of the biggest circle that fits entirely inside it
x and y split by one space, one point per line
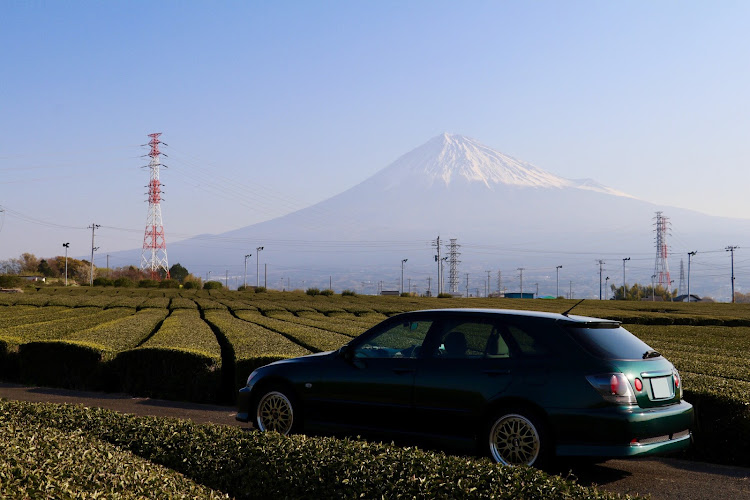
154 255
661 268
453 261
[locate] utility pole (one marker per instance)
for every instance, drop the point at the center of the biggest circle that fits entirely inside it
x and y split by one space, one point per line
467 285
570 293
107 265
66 245
521 270
732 249
436 244
429 286
601 263
265 275
226 278
246 257
557 281
257 266
624 286
653 288
537 290
606 286
488 283
93 248
690 254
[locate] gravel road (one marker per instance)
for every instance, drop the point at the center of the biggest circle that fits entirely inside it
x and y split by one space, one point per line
662 478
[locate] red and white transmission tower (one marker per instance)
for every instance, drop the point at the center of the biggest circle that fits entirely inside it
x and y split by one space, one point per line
661 268
154 256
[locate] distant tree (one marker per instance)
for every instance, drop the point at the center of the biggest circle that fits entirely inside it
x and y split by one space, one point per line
191 281
10 266
178 273
640 292
260 289
348 293
45 269
147 283
742 298
101 281
169 284
312 291
327 292
124 282
212 285
29 263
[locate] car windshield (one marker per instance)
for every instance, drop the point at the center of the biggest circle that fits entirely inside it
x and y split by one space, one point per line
610 342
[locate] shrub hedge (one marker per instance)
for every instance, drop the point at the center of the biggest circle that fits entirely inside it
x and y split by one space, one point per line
248 465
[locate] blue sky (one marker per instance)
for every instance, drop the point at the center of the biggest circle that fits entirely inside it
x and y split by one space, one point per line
267 107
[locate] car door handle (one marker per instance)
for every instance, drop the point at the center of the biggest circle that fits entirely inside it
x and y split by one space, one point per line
495 373
402 371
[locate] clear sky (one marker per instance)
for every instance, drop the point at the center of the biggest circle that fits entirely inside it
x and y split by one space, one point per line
267 107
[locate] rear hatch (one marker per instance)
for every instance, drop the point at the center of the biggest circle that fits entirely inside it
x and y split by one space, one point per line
652 378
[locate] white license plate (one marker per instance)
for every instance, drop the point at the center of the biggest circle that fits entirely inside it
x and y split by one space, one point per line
661 387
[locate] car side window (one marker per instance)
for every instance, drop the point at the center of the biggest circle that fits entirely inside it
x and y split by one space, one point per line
527 344
471 339
400 340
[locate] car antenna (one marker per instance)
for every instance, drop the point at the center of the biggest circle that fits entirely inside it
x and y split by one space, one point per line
574 306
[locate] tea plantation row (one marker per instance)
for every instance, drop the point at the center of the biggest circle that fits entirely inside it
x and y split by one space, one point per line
63 451
145 342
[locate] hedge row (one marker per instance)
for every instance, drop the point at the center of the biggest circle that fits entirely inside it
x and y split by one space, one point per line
37 461
314 339
247 465
333 324
62 326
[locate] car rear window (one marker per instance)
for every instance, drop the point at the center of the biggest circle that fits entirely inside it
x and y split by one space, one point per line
609 343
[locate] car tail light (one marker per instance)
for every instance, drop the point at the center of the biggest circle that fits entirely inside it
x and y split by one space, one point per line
677 382
614 388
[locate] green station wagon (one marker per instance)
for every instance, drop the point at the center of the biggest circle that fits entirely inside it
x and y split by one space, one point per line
520 387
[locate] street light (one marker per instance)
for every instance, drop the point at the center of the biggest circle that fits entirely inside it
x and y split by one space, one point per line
257 266
557 282
624 288
246 257
690 254
403 261
66 245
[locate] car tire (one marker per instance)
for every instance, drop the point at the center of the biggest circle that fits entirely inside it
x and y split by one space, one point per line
517 436
277 410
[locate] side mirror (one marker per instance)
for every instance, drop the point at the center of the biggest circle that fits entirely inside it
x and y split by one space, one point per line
345 351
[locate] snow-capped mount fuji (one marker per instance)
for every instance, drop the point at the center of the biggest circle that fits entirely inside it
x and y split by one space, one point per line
506 213
454 159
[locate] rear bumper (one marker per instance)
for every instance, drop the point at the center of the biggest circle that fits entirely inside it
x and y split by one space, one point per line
623 431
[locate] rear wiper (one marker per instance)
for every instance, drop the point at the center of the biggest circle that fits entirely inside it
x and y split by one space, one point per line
651 354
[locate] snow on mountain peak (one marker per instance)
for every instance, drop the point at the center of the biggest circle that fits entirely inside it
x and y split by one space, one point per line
449 159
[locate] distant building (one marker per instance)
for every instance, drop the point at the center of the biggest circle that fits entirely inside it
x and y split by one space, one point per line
683 298
517 295
390 292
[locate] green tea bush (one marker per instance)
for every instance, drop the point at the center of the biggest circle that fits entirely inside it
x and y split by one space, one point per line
63 364
169 374
212 285
348 293
38 461
312 291
327 292
248 465
124 283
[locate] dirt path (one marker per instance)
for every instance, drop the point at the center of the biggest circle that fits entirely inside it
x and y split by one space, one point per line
662 478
